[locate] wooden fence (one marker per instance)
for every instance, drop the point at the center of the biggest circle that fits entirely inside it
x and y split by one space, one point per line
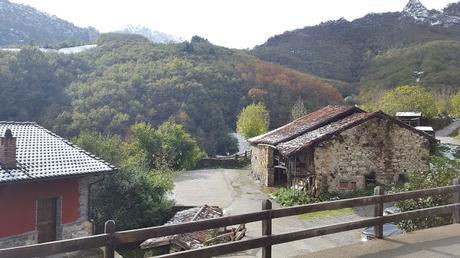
112 238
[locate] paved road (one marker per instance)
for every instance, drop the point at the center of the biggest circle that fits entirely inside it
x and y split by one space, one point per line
237 192
444 134
429 243
448 130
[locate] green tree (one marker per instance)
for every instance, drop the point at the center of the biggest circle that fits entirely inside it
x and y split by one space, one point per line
409 98
298 109
169 146
134 196
253 120
455 105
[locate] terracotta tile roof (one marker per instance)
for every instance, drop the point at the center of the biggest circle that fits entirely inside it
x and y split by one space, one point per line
42 154
304 124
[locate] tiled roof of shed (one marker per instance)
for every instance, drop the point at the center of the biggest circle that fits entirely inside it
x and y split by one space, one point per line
320 125
305 140
42 154
304 124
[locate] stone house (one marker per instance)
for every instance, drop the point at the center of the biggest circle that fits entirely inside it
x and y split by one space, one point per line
45 183
339 148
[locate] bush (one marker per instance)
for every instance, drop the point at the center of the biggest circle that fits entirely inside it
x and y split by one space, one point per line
441 173
291 197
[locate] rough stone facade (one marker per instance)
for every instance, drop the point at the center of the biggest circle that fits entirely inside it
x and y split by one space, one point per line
79 228
262 163
378 149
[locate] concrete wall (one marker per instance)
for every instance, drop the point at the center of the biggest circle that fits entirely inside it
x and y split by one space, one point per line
377 147
262 164
72 210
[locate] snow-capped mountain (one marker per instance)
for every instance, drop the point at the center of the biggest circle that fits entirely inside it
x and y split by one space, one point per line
420 13
152 35
22 24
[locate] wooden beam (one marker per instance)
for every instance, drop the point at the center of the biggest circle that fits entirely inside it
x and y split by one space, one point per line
263 241
267 229
55 247
378 212
109 229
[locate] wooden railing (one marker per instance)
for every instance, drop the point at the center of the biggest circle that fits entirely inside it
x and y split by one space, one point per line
112 238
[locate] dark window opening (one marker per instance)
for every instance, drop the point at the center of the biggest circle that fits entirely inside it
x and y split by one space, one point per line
370 180
402 178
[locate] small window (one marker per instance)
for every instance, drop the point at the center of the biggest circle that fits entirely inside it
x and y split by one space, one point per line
343 185
402 178
370 180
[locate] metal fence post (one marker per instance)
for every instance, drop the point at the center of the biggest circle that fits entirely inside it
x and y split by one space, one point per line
267 229
109 249
456 215
378 212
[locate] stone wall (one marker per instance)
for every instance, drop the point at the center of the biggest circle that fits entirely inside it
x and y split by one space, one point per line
28 238
262 164
377 147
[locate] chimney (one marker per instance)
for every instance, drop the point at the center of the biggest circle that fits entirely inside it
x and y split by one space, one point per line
8 150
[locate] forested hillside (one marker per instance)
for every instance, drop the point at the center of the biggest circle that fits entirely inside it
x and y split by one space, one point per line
436 65
128 79
376 52
24 25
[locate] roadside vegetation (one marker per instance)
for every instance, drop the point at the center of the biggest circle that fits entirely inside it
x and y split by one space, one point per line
135 195
253 120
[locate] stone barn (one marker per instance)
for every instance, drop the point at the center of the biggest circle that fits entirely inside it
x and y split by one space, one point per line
340 148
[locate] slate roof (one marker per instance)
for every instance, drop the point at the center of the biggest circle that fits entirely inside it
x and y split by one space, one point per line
304 124
321 125
41 154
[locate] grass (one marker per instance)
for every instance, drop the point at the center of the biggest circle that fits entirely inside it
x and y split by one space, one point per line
326 214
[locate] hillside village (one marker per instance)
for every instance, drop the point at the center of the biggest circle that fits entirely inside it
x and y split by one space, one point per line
332 140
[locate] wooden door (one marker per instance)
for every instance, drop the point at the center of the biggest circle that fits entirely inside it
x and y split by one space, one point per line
46 220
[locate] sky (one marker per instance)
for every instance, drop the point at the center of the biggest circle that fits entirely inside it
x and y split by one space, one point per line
229 23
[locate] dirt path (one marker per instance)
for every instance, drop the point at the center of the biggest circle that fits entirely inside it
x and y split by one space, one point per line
237 192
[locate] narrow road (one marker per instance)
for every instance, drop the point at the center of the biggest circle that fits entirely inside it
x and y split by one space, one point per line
448 130
444 134
237 192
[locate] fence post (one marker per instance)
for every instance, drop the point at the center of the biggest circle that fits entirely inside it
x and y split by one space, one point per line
109 228
378 212
267 229
456 215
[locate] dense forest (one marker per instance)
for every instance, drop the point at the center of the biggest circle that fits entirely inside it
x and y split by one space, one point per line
127 79
377 52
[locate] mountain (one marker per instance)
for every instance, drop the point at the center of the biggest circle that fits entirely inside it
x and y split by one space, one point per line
341 49
420 13
434 65
152 35
127 79
22 25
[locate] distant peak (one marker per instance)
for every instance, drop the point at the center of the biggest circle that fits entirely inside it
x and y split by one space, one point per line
414 6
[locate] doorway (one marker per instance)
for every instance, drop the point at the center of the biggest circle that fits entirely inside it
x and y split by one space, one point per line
46 219
280 177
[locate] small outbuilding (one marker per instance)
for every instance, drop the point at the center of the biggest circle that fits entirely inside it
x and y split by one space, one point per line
340 148
409 118
45 185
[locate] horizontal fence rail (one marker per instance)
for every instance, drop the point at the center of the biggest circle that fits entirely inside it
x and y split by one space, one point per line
113 238
263 241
